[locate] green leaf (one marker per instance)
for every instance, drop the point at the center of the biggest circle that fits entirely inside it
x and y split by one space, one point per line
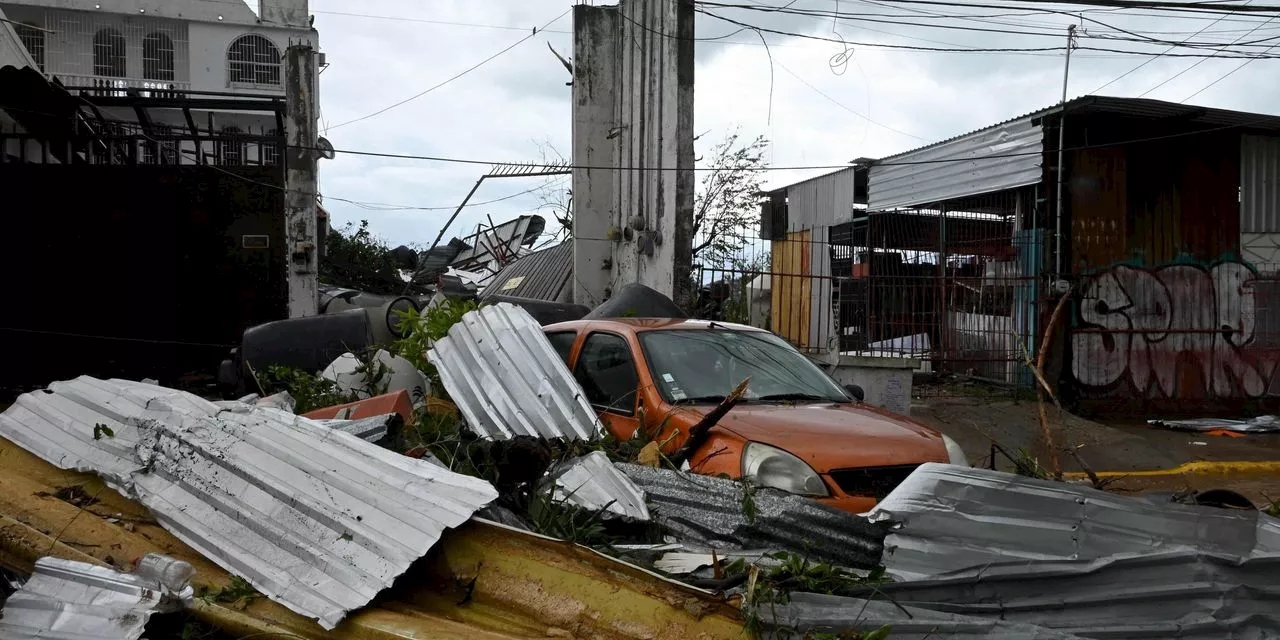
100 430
878 634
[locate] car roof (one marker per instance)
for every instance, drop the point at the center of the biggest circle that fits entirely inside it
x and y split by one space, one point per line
639 325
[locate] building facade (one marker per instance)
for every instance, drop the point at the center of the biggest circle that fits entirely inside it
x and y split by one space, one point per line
163 45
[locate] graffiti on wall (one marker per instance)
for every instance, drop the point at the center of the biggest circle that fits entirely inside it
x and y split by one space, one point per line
1152 327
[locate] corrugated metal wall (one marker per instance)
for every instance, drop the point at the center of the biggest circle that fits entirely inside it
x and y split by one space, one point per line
821 202
1259 184
1018 145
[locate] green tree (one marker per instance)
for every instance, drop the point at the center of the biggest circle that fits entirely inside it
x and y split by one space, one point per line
356 259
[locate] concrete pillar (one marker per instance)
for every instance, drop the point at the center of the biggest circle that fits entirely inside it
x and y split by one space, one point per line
633 105
300 180
595 103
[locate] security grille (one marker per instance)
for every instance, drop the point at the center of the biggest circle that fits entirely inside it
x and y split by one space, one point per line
253 59
33 39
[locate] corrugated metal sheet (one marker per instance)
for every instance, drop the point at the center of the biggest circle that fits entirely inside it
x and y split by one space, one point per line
1259 184
594 483
507 379
953 518
314 518
542 275
811 614
959 167
1179 594
821 202
12 51
67 600
708 511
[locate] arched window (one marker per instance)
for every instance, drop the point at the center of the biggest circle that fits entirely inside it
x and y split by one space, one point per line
253 59
109 54
32 38
231 147
157 57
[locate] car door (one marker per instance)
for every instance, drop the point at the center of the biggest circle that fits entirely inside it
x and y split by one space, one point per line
606 369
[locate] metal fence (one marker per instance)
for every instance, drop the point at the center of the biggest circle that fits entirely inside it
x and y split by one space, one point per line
954 286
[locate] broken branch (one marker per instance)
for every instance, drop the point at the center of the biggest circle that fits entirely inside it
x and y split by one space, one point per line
699 433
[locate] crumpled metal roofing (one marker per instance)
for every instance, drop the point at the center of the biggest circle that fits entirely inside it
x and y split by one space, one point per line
68 600
507 379
950 518
313 517
808 614
1259 424
592 482
708 511
372 429
1173 594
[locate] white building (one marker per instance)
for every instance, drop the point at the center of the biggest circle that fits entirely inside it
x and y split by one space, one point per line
198 45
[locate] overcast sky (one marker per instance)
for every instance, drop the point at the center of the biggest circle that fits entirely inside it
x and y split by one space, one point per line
880 103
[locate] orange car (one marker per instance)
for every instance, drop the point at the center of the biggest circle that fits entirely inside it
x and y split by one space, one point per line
797 430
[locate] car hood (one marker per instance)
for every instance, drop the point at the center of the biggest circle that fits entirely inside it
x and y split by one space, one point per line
837 436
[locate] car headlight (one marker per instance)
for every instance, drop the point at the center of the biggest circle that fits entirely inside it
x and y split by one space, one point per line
955 455
768 466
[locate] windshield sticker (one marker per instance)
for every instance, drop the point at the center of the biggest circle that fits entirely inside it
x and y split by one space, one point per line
669 378
678 394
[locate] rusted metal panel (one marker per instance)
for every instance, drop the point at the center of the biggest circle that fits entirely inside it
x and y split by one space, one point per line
1259 184
997 158
485 582
508 380
1183 200
1099 205
314 517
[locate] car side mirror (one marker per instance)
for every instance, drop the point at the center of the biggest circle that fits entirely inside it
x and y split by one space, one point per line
855 391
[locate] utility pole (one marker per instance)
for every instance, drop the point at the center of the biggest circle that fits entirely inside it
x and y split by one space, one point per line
1062 141
300 180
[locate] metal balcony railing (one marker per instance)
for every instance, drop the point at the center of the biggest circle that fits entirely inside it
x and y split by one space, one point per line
119 87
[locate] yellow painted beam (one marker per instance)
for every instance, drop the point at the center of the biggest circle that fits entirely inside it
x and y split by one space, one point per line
1197 468
480 581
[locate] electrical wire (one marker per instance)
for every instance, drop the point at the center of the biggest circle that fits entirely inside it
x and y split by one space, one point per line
1216 54
1272 120
1157 56
847 108
451 79
1198 63
1132 36
1220 79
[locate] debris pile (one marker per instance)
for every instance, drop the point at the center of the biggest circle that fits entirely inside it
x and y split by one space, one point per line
480 419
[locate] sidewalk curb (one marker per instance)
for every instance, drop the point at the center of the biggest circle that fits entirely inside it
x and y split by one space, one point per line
1198 468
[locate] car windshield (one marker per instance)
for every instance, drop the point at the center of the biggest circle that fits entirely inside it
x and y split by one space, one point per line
693 366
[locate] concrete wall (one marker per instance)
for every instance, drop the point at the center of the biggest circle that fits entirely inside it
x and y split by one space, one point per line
886 381
633 105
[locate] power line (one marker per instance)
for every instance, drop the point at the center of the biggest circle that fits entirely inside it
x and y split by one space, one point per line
444 159
455 77
1157 56
1261 55
1133 35
1161 5
846 107
1198 63
1220 79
